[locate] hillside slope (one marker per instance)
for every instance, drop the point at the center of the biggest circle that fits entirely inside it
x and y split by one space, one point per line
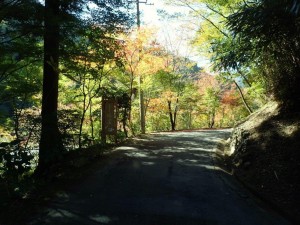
264 154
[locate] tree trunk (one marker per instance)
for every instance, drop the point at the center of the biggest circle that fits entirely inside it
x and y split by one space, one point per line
173 126
91 118
51 146
172 120
243 98
16 120
222 120
212 119
190 119
82 120
175 114
245 78
132 96
124 121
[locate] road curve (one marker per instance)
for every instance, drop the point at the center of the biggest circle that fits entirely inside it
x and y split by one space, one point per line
164 179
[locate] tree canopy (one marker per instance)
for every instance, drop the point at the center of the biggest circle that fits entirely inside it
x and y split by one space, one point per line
60 59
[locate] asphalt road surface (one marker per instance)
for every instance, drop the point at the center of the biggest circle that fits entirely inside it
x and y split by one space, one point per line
164 179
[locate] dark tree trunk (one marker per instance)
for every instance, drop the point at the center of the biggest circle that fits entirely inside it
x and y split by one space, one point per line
212 119
175 115
50 144
172 119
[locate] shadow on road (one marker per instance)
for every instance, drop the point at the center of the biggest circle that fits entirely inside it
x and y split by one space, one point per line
163 179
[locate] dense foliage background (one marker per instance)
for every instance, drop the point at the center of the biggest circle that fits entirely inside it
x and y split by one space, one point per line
56 69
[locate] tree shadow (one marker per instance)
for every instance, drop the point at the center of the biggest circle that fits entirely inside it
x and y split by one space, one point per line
162 180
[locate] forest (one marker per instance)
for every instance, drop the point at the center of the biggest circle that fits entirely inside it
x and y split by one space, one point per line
61 58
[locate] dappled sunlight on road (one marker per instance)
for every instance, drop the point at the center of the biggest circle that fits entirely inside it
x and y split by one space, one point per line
126 148
180 149
137 154
102 219
167 178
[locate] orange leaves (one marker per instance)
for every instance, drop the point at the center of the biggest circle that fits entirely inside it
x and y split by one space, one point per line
160 104
228 95
207 81
230 98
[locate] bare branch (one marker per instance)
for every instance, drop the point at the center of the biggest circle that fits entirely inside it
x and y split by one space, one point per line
215 11
203 17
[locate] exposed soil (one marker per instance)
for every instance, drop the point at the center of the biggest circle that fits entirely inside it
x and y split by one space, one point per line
267 160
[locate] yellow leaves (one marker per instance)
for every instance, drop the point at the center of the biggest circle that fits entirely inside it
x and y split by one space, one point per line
169 95
156 105
150 64
137 39
206 34
139 52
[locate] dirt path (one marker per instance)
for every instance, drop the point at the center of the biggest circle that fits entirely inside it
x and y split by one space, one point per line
165 179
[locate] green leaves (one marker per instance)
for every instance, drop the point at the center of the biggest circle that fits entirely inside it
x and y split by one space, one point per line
15 161
270 31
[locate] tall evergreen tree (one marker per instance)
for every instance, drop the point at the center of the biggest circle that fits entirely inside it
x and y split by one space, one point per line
60 24
20 35
50 143
64 22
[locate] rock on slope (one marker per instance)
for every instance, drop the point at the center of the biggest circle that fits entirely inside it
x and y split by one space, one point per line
264 153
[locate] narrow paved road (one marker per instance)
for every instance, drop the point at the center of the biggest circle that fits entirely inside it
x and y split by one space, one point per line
165 179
